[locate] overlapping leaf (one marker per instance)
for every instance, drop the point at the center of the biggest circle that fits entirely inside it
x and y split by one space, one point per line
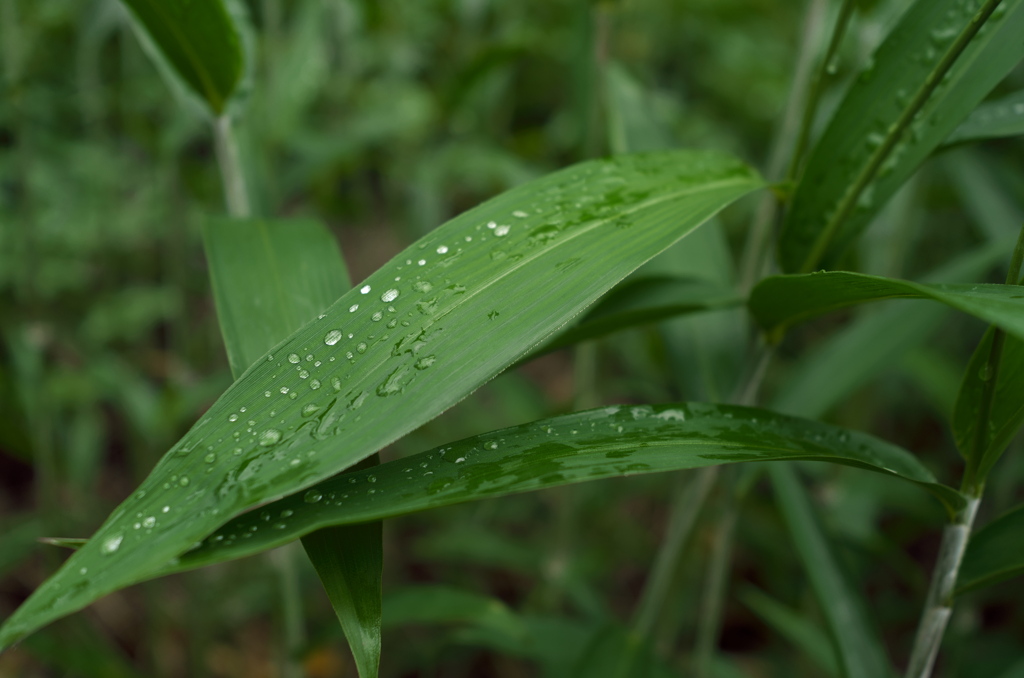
992 120
994 553
602 443
780 301
441 318
938 62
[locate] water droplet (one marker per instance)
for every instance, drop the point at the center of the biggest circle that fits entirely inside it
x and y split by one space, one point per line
353 308
372 479
284 390
270 437
424 363
266 394
492 224
111 544
149 522
312 497
336 383
332 337
287 513
365 289
520 213
502 230
233 417
361 347
303 374
210 458
314 384
389 296
422 262
294 358
377 317
491 445
83 570
310 409
442 250
184 481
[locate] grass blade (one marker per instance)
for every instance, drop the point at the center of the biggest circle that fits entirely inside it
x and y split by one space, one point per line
429 327
269 279
992 120
797 628
779 302
860 650
934 67
198 42
602 443
994 553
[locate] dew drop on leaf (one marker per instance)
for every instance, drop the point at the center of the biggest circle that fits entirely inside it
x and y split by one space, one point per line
332 337
270 437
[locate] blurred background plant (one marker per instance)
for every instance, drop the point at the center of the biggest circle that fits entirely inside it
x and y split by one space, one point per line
384 119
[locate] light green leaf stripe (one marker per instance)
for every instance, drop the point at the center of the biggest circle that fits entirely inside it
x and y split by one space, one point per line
781 301
994 553
199 40
601 443
940 60
444 316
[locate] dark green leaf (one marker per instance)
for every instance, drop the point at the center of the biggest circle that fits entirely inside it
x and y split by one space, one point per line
781 301
928 75
994 553
602 443
860 651
992 120
199 41
799 629
429 327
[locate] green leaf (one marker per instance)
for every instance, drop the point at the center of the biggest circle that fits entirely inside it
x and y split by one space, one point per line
992 120
645 300
601 443
994 553
447 605
444 316
873 342
633 120
199 41
781 301
616 652
269 279
931 71
860 651
1006 414
797 628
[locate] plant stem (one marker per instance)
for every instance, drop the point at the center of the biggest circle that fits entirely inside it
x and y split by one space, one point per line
893 135
687 500
291 609
756 250
713 601
939 605
235 194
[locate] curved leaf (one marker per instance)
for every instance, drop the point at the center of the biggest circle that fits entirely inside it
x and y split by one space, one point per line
780 301
199 41
994 553
992 120
444 316
601 443
935 66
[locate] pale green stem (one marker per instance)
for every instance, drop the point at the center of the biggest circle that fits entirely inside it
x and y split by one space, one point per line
687 501
939 605
235 194
712 602
291 607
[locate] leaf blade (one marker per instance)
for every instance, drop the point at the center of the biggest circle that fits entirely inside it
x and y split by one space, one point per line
993 554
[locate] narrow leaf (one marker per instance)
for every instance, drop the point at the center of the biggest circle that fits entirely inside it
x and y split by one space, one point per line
1006 414
602 443
781 301
199 41
269 279
444 316
940 60
616 652
860 650
798 629
994 553
992 120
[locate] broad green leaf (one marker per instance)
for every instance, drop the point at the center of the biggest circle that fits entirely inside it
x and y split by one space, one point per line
804 633
199 41
646 300
602 443
873 342
445 315
1006 414
994 553
860 651
781 301
935 66
269 279
992 120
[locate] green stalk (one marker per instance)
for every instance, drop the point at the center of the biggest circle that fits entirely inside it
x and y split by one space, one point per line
893 135
713 601
235 194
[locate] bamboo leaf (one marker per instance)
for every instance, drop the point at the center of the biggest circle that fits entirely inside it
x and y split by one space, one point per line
269 279
781 301
198 41
445 315
860 651
994 553
940 60
1006 414
601 443
992 120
